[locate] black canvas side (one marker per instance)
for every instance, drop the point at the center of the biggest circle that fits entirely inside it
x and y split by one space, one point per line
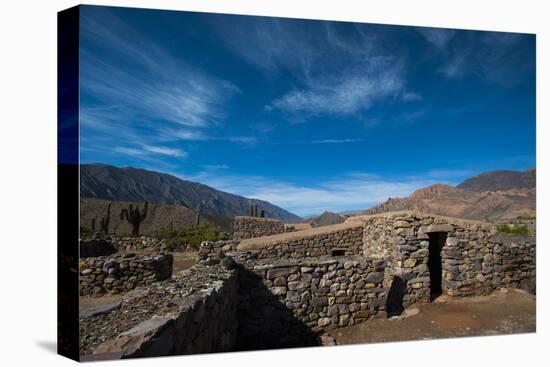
67 182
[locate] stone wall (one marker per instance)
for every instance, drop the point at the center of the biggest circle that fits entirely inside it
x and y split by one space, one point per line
194 312
212 248
289 303
139 243
251 227
339 239
119 274
475 258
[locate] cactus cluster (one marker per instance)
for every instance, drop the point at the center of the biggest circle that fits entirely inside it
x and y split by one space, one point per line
134 216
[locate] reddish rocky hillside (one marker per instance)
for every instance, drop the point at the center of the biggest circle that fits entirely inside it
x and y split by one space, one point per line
478 203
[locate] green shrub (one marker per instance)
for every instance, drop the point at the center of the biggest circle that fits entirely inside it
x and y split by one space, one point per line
86 233
505 228
188 237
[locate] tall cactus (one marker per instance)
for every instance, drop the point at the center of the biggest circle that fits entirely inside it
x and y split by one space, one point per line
104 222
93 224
197 220
134 216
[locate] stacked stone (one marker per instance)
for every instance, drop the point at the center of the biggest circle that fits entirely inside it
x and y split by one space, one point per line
319 295
476 259
194 312
348 240
139 243
477 263
118 274
251 227
212 248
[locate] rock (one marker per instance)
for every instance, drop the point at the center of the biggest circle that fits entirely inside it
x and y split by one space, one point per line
280 272
319 302
409 263
401 224
364 314
278 291
374 277
228 262
280 281
99 310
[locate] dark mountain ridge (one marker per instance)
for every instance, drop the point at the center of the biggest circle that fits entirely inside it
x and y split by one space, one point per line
502 180
101 181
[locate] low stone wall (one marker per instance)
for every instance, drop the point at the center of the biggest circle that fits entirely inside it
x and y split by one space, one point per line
194 312
287 304
139 243
96 247
339 239
212 248
118 274
251 227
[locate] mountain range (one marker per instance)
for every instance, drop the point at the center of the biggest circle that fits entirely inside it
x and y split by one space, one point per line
493 196
101 181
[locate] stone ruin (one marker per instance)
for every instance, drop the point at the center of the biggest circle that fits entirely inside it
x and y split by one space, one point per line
251 227
287 289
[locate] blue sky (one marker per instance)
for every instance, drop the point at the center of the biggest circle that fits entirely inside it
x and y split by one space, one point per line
309 115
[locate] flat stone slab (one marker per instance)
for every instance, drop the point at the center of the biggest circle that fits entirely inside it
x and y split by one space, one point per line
99 310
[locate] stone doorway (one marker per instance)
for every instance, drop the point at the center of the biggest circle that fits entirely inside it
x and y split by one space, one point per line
437 241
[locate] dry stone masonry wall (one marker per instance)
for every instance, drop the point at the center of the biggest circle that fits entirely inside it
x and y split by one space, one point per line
330 240
119 274
194 312
139 243
475 259
290 303
251 227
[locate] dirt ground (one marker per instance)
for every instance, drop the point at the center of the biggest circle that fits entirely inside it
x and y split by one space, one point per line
182 261
507 312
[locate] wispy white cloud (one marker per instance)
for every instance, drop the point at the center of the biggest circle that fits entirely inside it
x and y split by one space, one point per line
146 93
494 56
352 191
335 141
439 37
334 74
173 152
146 151
345 93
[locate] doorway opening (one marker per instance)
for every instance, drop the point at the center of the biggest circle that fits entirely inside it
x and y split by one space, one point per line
437 241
